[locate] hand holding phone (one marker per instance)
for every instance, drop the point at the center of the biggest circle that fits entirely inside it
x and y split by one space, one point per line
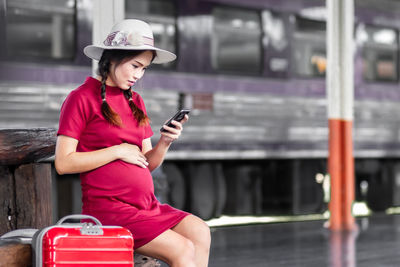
177 117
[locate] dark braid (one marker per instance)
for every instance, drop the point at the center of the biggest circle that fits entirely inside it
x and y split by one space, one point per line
136 111
109 114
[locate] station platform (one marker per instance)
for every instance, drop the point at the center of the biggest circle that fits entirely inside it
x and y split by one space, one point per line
308 243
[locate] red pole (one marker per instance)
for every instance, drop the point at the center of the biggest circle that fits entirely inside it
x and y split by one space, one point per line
341 170
334 169
348 222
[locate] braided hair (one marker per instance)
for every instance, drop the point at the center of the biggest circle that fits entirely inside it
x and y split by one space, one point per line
118 56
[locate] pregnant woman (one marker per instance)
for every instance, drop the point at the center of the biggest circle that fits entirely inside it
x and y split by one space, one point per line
104 134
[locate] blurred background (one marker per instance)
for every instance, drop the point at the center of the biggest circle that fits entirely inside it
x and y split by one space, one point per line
253 74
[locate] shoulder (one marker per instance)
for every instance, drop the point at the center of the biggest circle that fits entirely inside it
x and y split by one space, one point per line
87 92
84 99
91 87
138 99
136 95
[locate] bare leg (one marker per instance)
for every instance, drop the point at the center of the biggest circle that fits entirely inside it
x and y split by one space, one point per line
171 247
198 232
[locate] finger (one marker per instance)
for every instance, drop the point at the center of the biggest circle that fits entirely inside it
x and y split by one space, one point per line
171 129
141 157
138 158
185 119
142 163
170 136
178 125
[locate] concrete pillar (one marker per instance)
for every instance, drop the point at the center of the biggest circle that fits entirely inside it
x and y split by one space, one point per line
105 14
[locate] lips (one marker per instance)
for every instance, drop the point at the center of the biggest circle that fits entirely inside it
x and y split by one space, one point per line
131 83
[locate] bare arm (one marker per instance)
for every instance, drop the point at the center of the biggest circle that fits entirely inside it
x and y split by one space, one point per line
67 160
155 156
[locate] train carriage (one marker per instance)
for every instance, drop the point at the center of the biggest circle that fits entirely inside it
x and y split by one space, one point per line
253 74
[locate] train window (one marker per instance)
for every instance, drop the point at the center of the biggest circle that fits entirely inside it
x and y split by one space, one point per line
160 14
40 29
236 40
309 48
379 53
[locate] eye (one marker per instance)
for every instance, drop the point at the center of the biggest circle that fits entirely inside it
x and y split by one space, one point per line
135 66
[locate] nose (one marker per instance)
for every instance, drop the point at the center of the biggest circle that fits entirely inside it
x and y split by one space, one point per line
137 75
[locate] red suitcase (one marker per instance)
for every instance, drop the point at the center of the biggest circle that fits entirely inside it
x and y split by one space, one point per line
86 244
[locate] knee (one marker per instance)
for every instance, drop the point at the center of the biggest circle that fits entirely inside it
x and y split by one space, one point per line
203 236
186 255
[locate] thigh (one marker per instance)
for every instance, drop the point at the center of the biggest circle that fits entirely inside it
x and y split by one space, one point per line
195 229
167 247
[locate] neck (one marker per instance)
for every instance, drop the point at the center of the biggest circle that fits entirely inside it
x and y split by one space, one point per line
109 81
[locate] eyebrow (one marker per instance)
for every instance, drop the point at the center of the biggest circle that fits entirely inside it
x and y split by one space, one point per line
140 63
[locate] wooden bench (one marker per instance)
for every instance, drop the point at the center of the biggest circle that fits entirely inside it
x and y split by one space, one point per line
25 184
25 188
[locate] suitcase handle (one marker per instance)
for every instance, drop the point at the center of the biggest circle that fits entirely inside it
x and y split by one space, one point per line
78 217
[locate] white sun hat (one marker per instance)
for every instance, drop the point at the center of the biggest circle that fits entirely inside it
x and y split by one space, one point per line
130 34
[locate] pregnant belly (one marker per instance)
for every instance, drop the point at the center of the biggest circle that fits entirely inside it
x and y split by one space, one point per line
121 181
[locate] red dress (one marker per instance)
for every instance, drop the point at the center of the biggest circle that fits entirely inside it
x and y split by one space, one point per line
117 193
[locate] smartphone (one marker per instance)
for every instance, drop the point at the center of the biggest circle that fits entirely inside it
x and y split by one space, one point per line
177 117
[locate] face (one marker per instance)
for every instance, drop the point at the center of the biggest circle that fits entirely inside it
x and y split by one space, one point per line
130 71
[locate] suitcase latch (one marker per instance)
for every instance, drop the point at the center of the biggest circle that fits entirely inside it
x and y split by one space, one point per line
90 229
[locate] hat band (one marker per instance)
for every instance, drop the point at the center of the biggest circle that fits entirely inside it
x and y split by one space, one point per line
121 38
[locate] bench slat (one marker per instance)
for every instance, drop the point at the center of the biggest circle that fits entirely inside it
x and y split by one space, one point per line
19 146
15 255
